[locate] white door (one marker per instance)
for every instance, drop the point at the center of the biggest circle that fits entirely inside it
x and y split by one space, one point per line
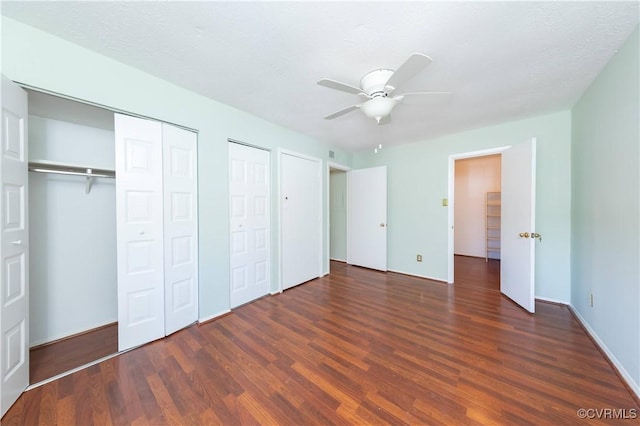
139 231
14 301
180 183
249 237
367 217
301 219
517 266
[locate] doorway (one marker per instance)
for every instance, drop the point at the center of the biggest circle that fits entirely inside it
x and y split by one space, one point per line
517 220
451 202
477 185
337 214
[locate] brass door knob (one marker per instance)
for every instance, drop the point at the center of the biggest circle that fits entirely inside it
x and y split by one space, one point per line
524 235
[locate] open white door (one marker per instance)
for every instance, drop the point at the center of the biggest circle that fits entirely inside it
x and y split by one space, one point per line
140 231
180 183
367 217
517 266
249 237
14 269
301 219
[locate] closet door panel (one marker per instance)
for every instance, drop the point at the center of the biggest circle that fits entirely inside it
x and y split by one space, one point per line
14 252
180 227
140 231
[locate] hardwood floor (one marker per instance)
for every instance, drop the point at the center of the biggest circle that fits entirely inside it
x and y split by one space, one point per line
52 359
476 272
355 347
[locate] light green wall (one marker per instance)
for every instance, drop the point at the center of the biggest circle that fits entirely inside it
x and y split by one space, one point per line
418 181
605 207
338 215
33 57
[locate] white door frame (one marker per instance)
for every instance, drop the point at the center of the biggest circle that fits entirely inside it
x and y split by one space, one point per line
343 168
282 152
451 198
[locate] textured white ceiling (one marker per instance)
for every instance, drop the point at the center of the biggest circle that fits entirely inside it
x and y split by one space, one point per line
501 60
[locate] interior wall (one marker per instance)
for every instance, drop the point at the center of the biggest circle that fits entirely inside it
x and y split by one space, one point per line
338 215
72 238
605 221
39 59
418 176
474 177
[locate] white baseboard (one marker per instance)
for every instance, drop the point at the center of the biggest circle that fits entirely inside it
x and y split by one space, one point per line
548 299
418 276
338 260
623 372
214 316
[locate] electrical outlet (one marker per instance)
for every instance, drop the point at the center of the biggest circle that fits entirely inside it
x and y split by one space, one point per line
419 258
591 299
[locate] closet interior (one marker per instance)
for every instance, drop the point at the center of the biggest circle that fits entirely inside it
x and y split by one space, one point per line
112 232
72 234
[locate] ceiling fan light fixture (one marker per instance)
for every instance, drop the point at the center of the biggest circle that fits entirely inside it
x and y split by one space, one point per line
378 107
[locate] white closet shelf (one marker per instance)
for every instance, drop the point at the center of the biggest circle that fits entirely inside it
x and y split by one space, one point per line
91 173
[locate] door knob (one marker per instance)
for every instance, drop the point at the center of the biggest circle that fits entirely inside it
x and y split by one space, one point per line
524 235
382 225
536 235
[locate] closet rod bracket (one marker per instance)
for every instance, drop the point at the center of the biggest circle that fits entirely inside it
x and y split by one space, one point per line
89 182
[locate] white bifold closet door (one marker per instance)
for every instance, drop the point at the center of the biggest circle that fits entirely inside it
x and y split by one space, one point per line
157 266
14 251
250 238
180 227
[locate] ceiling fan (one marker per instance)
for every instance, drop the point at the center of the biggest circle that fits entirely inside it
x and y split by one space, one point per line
377 89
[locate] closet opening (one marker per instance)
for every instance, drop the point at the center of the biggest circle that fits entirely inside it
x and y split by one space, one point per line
113 232
73 309
477 221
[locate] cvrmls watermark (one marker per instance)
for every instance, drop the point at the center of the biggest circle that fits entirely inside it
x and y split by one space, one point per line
607 413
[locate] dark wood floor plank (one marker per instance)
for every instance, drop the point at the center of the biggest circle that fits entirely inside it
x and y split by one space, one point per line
49 360
66 414
355 347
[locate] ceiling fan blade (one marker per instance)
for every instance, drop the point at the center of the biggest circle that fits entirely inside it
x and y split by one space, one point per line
342 112
416 63
332 84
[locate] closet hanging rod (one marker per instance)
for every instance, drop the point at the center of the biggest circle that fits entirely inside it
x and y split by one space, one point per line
71 170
